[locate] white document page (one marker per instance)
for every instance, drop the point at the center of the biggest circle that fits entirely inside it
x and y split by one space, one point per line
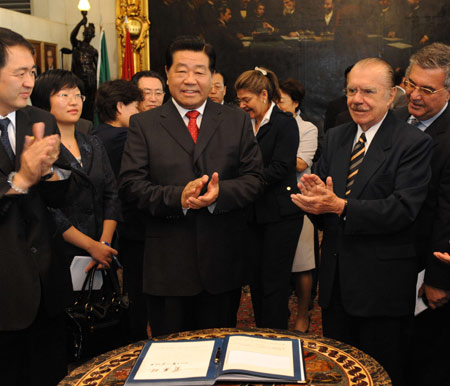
259 355
79 264
173 360
420 304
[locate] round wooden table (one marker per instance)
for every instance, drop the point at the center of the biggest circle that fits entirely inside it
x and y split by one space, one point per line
328 362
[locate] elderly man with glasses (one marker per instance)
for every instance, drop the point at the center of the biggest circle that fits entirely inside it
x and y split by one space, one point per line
427 93
151 85
371 181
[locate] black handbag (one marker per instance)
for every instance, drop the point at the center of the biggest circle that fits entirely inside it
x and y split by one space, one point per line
94 321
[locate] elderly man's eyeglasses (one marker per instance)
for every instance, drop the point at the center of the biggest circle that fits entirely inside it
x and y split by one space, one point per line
66 97
217 86
365 92
411 86
146 92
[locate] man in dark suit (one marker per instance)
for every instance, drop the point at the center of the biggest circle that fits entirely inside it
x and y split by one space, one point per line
326 21
386 20
417 23
292 20
427 88
32 341
195 223
242 14
367 207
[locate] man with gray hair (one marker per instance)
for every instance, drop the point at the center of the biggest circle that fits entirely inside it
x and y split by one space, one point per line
371 181
427 93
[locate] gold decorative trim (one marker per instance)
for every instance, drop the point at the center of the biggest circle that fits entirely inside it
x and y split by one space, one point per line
138 24
353 369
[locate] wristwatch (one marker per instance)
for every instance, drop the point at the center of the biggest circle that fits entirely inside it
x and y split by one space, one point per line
48 175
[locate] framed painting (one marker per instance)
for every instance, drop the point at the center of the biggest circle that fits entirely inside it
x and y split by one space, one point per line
313 41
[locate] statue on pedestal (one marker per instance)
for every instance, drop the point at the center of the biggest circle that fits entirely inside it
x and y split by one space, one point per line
84 63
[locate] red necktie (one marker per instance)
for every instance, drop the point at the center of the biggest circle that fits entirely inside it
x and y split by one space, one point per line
192 125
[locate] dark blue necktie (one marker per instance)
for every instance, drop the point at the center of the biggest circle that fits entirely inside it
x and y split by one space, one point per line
4 138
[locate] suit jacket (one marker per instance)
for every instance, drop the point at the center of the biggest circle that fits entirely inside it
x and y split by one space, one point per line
238 24
320 26
29 271
186 254
113 139
91 196
133 225
278 140
291 22
372 251
382 23
434 218
417 23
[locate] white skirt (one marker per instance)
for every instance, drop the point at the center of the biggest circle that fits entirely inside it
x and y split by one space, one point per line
304 255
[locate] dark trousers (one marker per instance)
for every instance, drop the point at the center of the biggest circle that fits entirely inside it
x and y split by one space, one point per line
35 356
386 339
430 355
274 246
131 256
170 314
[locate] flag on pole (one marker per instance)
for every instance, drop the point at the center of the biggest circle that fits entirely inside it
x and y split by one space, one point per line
103 74
128 62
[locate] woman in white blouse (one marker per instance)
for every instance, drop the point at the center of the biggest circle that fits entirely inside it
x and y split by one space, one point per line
292 93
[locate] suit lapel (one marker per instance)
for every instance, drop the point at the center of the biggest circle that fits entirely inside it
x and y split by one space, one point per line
6 165
263 130
173 123
440 125
85 151
342 160
375 156
210 123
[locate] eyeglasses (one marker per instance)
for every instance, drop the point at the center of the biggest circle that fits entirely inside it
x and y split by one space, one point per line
67 97
217 87
411 86
148 92
244 100
365 92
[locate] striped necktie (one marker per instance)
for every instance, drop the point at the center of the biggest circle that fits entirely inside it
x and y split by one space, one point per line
356 159
4 138
414 121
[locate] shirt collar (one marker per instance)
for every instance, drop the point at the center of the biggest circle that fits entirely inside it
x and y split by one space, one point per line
266 117
12 119
370 132
183 111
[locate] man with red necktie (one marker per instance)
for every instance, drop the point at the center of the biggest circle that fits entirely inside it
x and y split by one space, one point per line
192 166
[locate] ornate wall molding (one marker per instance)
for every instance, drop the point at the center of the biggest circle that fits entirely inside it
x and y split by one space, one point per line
138 24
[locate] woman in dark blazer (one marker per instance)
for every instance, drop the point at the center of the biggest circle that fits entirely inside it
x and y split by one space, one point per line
276 220
88 218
